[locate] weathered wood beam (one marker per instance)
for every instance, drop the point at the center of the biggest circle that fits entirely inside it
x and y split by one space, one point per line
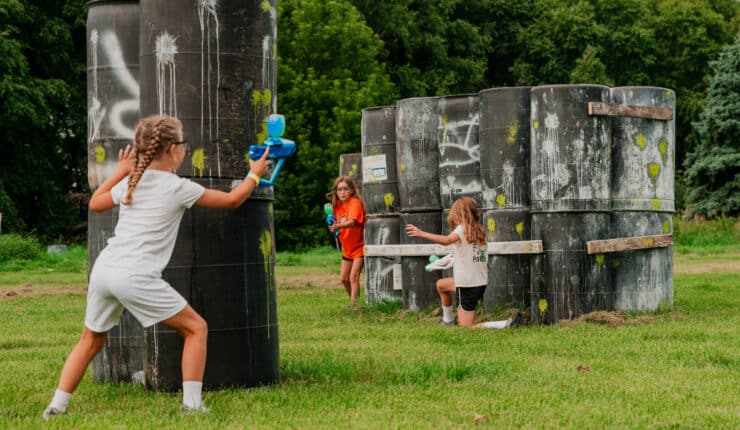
420 250
635 111
629 243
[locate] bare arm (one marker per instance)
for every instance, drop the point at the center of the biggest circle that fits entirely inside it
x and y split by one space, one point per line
223 200
101 199
337 225
415 231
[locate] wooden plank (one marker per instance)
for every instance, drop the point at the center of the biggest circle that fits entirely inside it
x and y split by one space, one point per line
634 111
423 250
629 243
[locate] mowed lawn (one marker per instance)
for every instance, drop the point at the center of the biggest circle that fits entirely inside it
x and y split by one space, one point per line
387 368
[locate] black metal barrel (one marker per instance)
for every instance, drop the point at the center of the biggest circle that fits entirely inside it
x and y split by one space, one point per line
566 280
508 275
383 274
417 154
213 65
112 114
459 152
570 171
643 153
419 286
380 176
570 154
224 265
642 280
504 137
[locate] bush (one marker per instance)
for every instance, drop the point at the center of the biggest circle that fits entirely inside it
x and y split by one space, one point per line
698 235
17 247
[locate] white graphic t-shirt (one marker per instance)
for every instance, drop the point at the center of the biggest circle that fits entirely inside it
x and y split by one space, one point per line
471 262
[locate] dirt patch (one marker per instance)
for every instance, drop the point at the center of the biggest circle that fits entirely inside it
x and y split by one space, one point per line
692 268
28 290
620 319
325 280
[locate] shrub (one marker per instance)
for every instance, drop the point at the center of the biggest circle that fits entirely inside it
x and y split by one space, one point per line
14 246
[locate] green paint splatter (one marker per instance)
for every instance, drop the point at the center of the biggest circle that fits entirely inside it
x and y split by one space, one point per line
99 154
542 306
444 130
491 224
666 227
353 171
656 203
388 200
265 6
262 135
663 148
511 132
535 125
653 171
403 167
501 200
266 248
600 258
616 263
267 97
520 229
641 141
199 162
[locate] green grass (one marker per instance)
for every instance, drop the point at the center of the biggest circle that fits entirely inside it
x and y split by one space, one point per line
706 237
386 368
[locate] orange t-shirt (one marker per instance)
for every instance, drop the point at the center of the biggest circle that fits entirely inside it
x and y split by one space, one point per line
351 238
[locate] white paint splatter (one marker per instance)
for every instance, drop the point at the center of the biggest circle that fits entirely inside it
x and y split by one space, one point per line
207 13
165 50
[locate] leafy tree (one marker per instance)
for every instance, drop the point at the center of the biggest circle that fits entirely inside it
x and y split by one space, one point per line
590 69
433 47
328 72
713 167
42 97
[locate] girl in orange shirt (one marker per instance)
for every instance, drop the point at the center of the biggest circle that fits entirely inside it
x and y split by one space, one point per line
350 221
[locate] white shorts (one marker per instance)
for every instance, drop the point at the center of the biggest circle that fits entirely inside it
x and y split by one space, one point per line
149 298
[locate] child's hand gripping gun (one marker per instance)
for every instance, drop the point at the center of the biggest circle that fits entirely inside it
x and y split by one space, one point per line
436 263
330 220
280 149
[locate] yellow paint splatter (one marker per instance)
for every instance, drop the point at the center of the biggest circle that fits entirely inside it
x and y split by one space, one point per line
266 248
99 154
262 135
501 200
491 224
267 97
641 141
199 162
656 203
616 263
388 200
648 241
666 227
653 170
600 258
535 125
256 98
403 167
511 132
542 305
353 171
663 149
520 229
265 6
444 130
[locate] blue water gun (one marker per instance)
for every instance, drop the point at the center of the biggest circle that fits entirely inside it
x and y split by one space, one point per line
331 219
280 149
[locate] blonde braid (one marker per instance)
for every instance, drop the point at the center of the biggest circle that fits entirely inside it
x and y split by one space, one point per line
146 151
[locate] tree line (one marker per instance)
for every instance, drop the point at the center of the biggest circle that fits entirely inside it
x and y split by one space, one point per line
337 57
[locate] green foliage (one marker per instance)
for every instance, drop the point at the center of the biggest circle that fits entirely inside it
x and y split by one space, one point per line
42 100
713 167
17 247
10 220
722 234
329 71
589 69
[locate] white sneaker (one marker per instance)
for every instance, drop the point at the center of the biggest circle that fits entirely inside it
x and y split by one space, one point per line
190 410
51 411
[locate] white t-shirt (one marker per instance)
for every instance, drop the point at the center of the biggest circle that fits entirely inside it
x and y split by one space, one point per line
470 268
147 228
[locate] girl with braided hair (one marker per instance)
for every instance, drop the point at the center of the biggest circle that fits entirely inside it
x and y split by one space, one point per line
128 272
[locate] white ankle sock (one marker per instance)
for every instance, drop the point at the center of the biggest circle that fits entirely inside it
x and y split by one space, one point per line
496 324
191 393
60 400
448 313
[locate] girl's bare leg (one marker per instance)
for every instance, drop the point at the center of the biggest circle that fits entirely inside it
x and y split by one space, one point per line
82 354
354 279
344 276
194 329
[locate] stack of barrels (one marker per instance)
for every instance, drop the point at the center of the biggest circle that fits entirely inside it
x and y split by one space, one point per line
541 167
504 152
642 199
214 69
380 195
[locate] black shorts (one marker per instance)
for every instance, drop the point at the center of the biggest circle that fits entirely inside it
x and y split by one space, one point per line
468 297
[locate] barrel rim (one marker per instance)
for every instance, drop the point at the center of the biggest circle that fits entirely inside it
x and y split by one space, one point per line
377 108
558 86
90 3
502 89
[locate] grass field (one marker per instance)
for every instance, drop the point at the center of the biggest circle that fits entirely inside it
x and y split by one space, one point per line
372 368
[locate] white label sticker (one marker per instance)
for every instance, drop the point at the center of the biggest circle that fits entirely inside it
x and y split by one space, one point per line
374 168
